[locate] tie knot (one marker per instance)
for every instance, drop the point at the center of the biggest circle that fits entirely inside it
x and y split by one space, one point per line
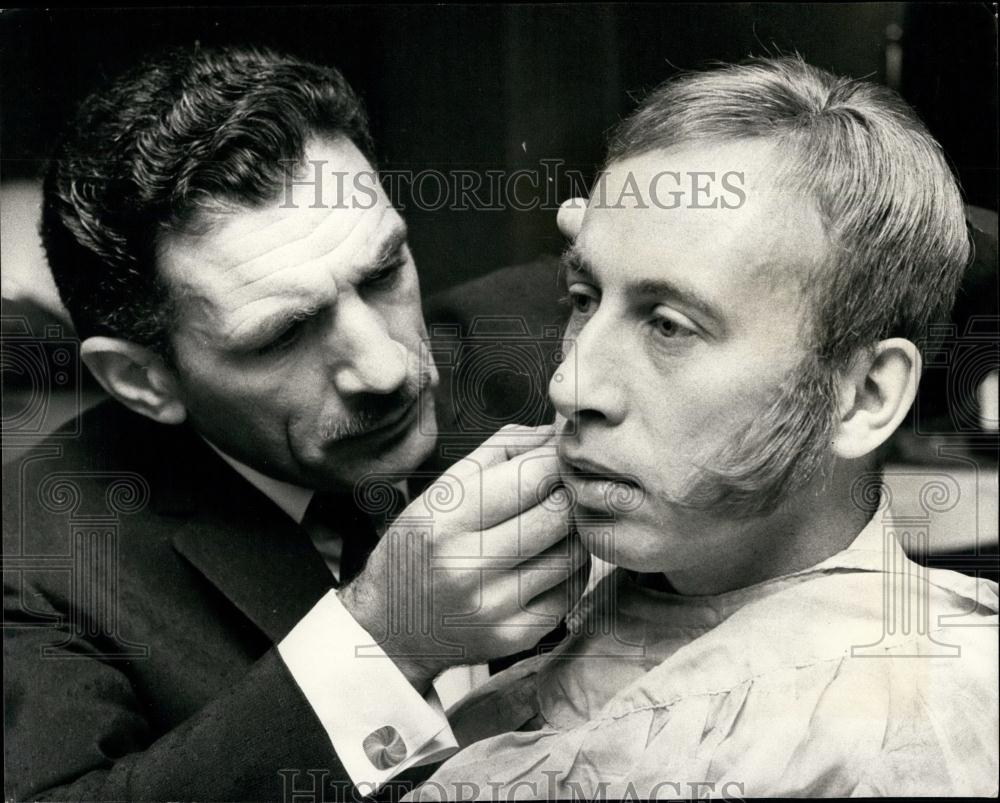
336 510
352 521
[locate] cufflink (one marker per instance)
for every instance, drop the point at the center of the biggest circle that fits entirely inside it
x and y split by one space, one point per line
384 747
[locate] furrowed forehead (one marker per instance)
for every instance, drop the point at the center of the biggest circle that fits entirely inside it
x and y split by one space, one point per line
261 266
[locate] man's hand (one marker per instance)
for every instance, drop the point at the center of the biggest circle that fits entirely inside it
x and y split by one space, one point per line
487 576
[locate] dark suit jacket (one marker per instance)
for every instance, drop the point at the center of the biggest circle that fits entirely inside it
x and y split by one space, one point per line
145 585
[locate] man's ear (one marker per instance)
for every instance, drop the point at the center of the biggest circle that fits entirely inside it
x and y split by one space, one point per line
875 395
135 376
570 217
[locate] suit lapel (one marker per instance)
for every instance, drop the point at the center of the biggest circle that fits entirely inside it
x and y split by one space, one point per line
269 571
241 542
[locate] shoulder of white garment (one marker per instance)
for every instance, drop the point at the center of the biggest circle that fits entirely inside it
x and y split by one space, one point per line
849 679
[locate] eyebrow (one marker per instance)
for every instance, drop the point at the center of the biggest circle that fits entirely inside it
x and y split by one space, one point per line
262 331
390 247
572 261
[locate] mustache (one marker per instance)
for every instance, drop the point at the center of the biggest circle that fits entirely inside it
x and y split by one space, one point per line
372 411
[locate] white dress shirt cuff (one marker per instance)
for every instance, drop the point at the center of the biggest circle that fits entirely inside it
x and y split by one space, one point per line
378 723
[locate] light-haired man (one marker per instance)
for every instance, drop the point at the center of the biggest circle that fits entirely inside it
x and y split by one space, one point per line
737 357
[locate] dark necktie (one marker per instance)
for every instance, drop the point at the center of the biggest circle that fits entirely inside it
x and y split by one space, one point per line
337 516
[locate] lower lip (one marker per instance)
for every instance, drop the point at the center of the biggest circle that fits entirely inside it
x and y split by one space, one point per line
596 493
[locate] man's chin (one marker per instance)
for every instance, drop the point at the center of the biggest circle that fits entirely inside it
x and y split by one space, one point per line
615 541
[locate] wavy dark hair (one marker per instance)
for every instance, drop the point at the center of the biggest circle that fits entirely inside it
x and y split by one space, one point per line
186 134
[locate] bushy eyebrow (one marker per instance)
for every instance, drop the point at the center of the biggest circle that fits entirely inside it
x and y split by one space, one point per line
387 251
571 261
268 327
261 332
574 264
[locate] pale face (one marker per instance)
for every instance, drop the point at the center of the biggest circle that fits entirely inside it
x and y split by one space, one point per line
685 321
300 329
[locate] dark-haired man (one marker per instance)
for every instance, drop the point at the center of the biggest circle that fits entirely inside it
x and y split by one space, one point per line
259 330
731 372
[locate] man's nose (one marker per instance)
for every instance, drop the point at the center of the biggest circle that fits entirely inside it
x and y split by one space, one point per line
364 356
589 383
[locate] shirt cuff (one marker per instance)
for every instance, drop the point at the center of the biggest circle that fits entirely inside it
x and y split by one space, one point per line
378 724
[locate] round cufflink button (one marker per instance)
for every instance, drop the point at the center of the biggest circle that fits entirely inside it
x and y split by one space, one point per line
384 747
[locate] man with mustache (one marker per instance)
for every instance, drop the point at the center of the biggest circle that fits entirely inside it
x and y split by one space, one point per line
735 368
244 292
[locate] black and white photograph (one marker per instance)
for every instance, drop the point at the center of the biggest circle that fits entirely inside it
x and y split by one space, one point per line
500 402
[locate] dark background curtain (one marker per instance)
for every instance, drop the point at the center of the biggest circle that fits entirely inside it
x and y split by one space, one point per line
483 87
